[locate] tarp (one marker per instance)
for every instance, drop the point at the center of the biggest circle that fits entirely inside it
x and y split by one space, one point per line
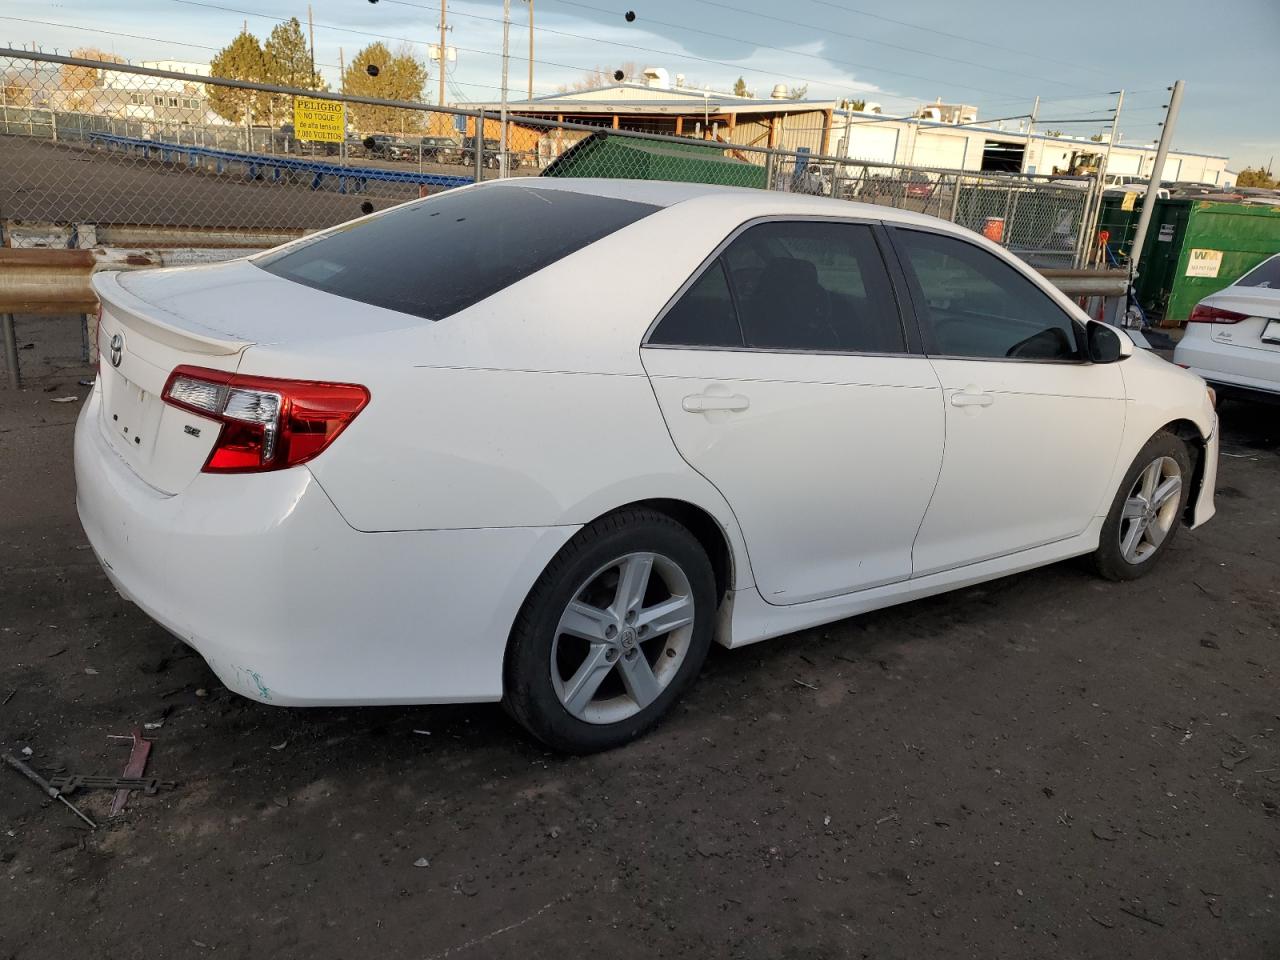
629 158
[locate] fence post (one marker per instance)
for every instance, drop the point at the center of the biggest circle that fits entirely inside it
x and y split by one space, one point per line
478 143
10 337
955 198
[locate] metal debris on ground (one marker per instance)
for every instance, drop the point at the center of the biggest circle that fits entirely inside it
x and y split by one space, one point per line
48 788
135 767
72 782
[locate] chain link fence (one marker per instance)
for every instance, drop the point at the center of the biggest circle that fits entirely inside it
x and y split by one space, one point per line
91 146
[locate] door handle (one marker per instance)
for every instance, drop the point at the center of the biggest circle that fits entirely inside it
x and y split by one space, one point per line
707 402
970 399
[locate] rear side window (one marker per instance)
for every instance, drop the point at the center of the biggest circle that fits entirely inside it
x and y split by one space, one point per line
796 285
436 258
979 307
1265 274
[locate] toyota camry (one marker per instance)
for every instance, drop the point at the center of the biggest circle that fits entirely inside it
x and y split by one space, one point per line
544 441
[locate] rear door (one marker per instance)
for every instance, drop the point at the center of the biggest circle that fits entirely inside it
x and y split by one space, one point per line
1033 429
787 378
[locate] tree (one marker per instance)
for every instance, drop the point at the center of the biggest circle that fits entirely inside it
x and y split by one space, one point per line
1255 178
798 93
740 88
241 59
287 60
17 89
79 83
598 77
399 76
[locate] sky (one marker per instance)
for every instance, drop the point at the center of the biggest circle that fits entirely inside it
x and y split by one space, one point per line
996 54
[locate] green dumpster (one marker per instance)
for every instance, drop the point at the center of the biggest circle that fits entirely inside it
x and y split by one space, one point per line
1223 242
615 157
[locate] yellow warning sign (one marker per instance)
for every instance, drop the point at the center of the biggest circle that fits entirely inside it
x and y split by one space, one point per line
322 120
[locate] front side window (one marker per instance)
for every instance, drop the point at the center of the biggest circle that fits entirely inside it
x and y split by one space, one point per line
434 258
796 285
979 307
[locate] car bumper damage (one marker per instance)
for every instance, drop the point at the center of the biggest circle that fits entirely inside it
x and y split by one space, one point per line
287 603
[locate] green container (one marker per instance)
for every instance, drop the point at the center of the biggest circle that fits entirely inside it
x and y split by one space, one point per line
1244 236
601 155
1160 254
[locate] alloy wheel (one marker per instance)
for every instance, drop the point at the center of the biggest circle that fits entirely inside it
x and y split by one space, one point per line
1150 510
622 638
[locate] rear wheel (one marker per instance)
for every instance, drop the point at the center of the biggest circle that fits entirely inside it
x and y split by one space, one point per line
615 629
1147 510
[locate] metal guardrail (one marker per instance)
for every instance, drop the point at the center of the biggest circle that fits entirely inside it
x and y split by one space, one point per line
256 164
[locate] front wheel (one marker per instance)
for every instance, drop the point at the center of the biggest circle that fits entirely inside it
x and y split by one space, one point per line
615 629
1147 511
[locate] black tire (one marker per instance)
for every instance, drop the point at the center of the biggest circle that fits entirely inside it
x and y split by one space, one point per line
1109 560
529 689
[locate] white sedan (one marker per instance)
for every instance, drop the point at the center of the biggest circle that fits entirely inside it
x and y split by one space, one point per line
1233 336
543 441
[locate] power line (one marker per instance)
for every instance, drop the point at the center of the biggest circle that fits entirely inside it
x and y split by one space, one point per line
628 46
947 34
855 37
130 36
366 33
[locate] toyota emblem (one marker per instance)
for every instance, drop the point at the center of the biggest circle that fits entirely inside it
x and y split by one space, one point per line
117 348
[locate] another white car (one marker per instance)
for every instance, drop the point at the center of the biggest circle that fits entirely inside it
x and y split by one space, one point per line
1233 336
544 440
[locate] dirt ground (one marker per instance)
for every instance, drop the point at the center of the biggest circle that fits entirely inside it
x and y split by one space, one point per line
1044 766
44 181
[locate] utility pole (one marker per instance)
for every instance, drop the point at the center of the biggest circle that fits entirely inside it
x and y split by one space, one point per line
530 49
1153 185
506 63
311 30
1031 123
443 13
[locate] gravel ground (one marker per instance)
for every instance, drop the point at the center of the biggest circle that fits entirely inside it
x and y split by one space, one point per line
1044 766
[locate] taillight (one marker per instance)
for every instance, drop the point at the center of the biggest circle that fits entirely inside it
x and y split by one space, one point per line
267 423
1204 314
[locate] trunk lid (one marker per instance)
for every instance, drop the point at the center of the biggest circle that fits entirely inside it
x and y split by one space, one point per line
1261 331
140 345
207 316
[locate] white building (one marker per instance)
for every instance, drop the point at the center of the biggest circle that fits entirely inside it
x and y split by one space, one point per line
156 99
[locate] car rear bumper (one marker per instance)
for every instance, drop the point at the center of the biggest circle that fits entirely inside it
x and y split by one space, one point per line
1244 368
291 606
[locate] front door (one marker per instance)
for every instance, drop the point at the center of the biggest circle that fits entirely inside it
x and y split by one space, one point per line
784 376
1032 428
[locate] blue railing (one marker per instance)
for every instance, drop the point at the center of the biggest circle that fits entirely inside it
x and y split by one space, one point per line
257 166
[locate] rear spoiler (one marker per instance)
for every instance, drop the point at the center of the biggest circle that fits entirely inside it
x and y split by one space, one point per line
160 325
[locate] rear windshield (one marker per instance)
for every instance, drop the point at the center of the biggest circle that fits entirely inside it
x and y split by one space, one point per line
1265 274
435 258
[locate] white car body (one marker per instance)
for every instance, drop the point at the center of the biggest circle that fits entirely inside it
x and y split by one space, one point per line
1237 344
390 568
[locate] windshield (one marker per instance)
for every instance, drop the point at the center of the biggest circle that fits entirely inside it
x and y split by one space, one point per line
434 258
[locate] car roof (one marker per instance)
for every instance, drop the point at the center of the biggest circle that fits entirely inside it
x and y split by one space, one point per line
751 201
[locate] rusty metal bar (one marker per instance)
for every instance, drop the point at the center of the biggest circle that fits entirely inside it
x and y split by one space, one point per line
10 350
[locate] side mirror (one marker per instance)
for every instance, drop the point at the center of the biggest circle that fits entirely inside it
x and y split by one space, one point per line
1106 344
